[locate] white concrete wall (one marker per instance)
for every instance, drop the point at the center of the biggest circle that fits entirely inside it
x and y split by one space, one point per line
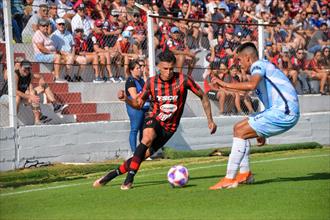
90 142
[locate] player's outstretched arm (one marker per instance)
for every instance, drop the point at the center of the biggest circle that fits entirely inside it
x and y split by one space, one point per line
241 86
135 103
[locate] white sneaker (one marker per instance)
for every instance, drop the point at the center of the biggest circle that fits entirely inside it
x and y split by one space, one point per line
60 81
121 79
111 79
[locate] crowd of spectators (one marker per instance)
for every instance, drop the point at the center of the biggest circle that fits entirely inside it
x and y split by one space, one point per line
109 33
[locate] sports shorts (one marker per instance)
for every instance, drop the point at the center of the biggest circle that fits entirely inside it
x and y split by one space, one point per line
162 135
272 122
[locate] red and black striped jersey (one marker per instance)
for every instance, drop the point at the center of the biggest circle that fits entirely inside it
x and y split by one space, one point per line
168 98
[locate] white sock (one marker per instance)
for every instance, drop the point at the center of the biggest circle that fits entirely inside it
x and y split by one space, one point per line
235 157
245 166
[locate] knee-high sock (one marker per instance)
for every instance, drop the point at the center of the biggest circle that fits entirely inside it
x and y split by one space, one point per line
245 166
235 157
123 168
137 159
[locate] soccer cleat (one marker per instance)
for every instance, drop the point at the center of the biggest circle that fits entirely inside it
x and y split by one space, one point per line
98 183
126 186
246 177
225 183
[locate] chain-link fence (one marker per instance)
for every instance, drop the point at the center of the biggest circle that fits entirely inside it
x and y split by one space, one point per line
79 59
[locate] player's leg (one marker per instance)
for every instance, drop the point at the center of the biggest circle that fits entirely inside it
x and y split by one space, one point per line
240 147
149 134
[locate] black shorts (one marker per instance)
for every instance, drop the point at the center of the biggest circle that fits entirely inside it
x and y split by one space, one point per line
213 95
162 135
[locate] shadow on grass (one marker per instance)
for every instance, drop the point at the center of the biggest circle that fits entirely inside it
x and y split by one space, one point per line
311 176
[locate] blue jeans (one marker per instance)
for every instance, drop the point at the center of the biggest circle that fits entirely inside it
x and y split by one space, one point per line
136 118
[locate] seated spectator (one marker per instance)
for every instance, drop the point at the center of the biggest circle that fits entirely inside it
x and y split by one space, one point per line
102 50
139 31
112 28
319 39
325 62
240 96
127 50
177 45
64 44
218 52
32 25
81 49
44 49
81 20
284 64
27 93
28 12
299 64
93 8
318 72
52 16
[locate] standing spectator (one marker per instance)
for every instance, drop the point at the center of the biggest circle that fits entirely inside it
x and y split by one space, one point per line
44 49
318 72
64 44
81 20
52 15
81 49
17 13
32 25
133 88
112 28
319 39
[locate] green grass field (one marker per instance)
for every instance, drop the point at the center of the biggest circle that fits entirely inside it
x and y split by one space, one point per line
289 185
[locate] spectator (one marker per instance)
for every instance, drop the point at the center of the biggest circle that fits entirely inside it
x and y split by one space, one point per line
32 25
52 14
169 7
325 62
25 92
44 49
177 45
17 13
81 49
112 28
317 71
285 64
319 39
81 20
64 44
100 47
126 49
133 88
65 10
28 12
139 31
299 63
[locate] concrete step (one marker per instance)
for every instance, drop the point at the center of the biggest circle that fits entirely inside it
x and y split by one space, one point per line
93 117
48 77
71 97
56 87
80 108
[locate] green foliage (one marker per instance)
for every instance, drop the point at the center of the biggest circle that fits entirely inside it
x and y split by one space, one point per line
171 153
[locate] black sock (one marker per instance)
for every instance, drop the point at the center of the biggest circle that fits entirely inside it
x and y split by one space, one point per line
129 177
111 175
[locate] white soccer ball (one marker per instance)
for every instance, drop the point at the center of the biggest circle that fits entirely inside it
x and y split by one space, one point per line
178 176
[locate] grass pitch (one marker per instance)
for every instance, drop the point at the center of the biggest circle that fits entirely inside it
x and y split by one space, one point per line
289 185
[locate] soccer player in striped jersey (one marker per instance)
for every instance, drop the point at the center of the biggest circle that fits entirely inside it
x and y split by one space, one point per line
281 112
167 92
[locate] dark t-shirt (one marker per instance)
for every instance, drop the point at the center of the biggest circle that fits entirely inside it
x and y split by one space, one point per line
132 82
23 81
319 35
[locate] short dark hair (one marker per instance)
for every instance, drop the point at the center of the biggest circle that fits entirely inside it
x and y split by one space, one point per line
247 45
167 56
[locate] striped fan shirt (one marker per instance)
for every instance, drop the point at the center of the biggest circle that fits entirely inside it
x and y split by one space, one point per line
168 98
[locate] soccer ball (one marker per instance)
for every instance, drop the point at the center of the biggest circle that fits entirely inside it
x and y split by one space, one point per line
178 176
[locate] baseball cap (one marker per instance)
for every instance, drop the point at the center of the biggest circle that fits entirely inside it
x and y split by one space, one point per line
230 30
129 28
26 64
60 21
98 23
43 22
126 34
115 12
175 30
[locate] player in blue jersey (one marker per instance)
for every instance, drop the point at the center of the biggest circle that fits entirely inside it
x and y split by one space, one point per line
281 112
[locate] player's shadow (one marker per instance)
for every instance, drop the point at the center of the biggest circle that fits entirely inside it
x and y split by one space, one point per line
311 176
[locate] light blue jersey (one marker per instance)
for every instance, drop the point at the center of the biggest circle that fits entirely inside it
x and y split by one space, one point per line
279 98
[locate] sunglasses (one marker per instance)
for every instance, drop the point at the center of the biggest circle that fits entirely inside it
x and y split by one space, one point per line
61 24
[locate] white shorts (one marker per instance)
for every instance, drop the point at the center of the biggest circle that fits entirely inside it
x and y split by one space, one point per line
272 122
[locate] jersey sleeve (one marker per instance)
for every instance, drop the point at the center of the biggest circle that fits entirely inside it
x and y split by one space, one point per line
258 68
192 85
